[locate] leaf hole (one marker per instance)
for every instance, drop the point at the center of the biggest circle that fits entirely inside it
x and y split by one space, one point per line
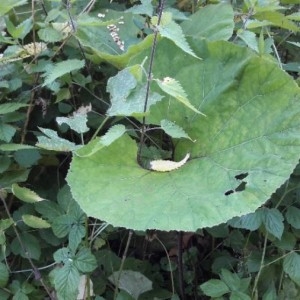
241 176
229 192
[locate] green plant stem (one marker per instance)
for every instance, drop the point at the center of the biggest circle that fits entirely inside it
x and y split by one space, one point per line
35 270
149 79
169 261
180 266
254 290
122 263
99 128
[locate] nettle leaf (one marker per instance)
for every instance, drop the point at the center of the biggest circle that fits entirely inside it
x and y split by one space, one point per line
77 122
62 68
246 147
53 142
213 22
173 130
173 88
134 103
171 30
145 8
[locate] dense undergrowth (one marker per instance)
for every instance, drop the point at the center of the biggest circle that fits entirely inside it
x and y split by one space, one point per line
148 150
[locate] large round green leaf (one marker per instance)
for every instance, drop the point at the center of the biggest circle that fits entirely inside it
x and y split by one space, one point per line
245 148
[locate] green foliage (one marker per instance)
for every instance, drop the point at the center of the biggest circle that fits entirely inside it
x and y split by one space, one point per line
96 98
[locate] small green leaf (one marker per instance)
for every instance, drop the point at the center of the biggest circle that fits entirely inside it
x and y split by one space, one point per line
3 275
173 88
7 5
173 32
133 104
6 132
25 194
293 216
27 157
50 35
214 288
15 147
66 281
30 243
85 261
54 142
232 280
173 130
250 221
291 266
62 225
134 283
77 122
145 8
249 38
35 222
61 69
6 223
273 221
6 108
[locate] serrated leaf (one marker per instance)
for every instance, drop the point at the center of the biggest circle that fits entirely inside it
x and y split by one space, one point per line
66 281
273 221
145 8
292 216
277 19
214 288
133 104
173 88
173 31
25 194
249 38
250 221
291 266
35 222
6 108
173 130
232 280
53 142
77 122
85 261
134 283
62 68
